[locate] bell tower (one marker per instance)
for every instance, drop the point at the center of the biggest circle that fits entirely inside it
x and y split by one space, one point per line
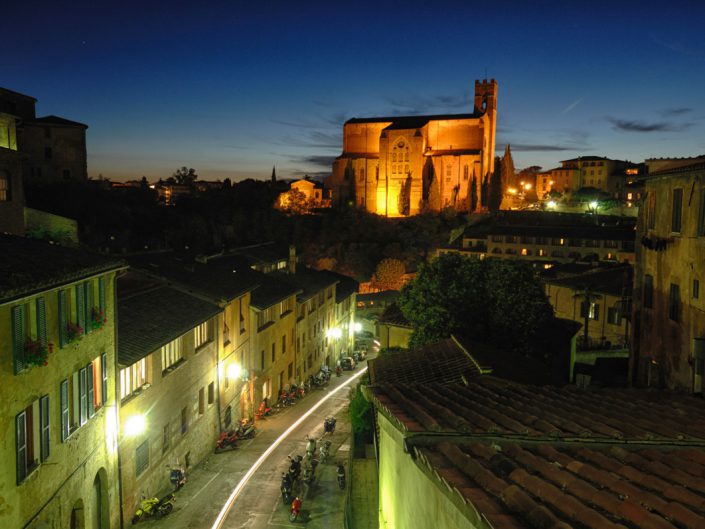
486 106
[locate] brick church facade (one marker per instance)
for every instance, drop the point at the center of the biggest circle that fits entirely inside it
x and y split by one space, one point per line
399 166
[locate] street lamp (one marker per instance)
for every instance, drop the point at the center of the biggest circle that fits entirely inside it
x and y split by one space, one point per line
135 425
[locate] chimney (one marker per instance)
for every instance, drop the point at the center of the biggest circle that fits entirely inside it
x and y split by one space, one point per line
292 259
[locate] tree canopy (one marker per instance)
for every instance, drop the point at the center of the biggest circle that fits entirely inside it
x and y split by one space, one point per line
185 175
493 300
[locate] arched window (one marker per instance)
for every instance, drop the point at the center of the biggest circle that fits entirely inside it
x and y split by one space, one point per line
5 187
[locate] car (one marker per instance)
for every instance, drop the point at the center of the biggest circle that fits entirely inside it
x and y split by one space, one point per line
347 363
361 345
365 334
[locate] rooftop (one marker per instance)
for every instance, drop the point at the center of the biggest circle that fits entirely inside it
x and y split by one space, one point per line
346 287
411 122
535 457
152 317
443 362
309 282
615 281
56 120
29 266
393 315
223 278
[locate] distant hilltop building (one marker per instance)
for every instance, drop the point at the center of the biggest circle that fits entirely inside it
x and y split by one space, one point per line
53 148
399 166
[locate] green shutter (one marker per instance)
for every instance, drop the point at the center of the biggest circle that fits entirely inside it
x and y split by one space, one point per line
89 383
45 439
64 397
88 288
101 295
21 446
41 321
82 396
18 337
81 307
63 320
104 377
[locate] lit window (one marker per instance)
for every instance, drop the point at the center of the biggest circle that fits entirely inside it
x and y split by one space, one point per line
202 334
4 187
133 378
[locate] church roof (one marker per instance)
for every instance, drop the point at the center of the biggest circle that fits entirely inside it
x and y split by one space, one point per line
412 122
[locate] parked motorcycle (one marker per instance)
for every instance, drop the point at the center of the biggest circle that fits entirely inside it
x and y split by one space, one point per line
329 425
295 467
154 507
226 441
324 452
310 446
264 410
341 476
295 509
177 476
300 392
246 429
286 488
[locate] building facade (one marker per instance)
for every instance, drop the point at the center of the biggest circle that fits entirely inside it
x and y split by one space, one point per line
59 403
669 330
54 147
11 161
399 166
168 383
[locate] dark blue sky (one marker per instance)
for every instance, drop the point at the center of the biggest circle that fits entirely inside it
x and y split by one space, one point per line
232 88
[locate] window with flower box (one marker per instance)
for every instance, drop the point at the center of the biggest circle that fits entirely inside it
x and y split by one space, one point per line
29 335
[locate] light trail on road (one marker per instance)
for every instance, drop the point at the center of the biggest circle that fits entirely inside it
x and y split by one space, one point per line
220 519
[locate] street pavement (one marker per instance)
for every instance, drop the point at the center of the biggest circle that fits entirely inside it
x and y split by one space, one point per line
259 504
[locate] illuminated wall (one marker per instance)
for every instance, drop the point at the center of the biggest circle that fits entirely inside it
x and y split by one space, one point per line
385 158
63 483
408 495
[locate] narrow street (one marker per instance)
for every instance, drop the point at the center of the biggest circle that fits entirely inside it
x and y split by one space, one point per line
258 502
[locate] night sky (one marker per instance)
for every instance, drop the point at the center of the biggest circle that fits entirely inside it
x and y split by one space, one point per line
233 88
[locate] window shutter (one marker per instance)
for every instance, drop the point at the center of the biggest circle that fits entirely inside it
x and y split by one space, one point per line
80 307
104 376
101 294
64 395
44 427
63 320
597 312
19 337
21 445
88 292
41 321
89 383
82 396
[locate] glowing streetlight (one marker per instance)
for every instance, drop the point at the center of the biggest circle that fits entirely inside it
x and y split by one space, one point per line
593 205
527 186
234 371
334 332
135 425
358 327
551 204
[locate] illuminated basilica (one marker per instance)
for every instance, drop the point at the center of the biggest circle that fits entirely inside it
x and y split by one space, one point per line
399 166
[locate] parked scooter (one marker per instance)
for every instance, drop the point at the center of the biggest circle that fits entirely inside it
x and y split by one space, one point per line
295 509
286 488
177 476
246 429
329 425
338 371
295 467
324 452
310 446
154 507
226 441
264 410
341 476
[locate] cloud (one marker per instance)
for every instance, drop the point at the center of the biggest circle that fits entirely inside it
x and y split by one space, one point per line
572 106
316 175
675 111
535 147
315 159
414 104
642 126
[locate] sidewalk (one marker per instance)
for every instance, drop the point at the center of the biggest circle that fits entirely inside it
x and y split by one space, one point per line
365 492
